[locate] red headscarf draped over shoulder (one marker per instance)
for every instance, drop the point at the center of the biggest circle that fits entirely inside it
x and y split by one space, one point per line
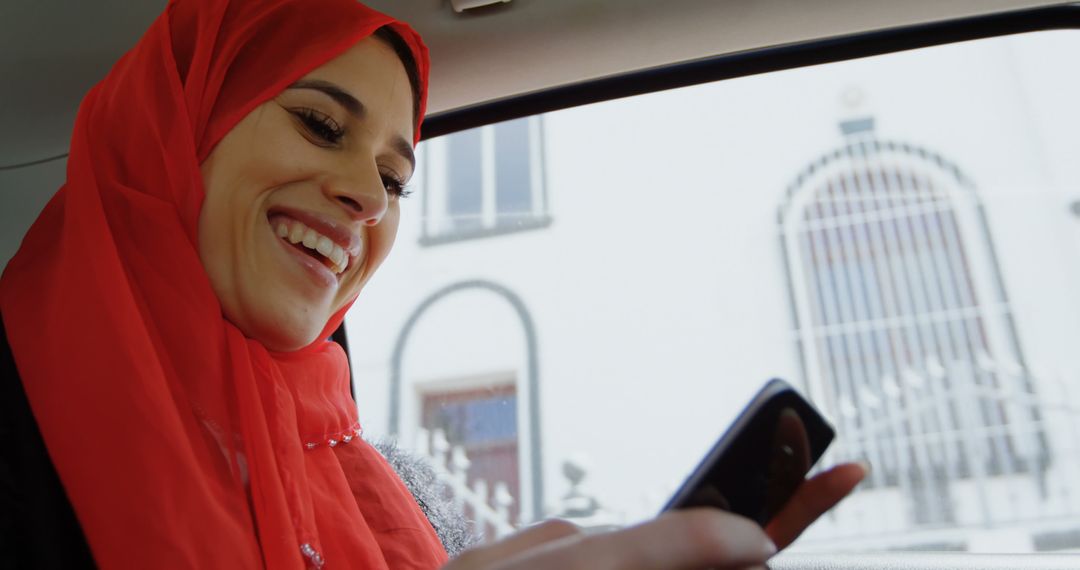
180 442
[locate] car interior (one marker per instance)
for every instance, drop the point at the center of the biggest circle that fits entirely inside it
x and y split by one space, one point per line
630 214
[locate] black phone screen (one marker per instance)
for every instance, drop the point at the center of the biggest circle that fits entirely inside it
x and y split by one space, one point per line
756 466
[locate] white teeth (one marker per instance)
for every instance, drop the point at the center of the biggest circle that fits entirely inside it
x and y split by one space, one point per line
338 256
324 246
310 238
299 233
296 233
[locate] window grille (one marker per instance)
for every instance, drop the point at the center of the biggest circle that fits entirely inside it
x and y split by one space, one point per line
903 326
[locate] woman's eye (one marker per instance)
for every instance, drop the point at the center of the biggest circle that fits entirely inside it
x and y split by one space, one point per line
395 188
320 125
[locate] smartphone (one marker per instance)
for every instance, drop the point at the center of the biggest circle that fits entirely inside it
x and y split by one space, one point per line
759 462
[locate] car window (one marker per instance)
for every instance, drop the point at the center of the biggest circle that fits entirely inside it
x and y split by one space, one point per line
581 301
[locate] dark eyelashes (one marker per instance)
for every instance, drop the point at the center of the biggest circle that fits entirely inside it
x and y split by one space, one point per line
320 125
396 187
330 133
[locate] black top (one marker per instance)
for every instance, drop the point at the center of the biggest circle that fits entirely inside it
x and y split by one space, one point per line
38 528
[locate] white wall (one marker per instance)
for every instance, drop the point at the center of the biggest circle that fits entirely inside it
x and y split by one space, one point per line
658 292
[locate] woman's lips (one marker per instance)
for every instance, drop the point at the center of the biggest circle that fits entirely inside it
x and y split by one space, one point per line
312 242
314 267
324 246
339 232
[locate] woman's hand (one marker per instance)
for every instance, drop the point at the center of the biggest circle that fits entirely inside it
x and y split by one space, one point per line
694 538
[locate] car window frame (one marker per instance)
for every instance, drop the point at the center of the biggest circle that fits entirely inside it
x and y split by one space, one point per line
754 62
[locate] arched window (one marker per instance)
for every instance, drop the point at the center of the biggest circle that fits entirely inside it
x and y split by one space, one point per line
902 320
479 386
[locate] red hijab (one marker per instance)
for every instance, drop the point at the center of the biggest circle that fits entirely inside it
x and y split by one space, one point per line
180 442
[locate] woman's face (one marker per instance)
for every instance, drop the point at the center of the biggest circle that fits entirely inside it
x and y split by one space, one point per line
302 196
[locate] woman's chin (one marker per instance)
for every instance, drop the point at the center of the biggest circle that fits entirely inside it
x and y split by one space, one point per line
278 342
278 334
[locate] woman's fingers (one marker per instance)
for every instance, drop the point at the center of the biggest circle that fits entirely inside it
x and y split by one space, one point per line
515 544
688 539
812 499
694 538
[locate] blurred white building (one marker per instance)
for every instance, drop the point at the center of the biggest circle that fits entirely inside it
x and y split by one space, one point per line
897 236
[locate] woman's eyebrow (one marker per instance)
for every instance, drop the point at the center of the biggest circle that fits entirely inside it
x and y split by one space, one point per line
343 98
355 108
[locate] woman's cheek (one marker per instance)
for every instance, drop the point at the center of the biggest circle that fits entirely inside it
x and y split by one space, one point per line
384 236
381 239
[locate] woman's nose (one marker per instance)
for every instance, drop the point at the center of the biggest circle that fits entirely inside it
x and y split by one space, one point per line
360 193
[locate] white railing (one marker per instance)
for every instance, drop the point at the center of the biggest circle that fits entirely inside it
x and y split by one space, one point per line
489 511
946 478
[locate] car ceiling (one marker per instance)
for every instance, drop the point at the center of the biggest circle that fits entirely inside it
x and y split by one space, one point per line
52 51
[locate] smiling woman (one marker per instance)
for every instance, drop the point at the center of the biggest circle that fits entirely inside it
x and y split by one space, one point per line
232 185
302 196
215 426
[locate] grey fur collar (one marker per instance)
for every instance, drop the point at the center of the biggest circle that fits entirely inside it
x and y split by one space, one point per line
432 495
